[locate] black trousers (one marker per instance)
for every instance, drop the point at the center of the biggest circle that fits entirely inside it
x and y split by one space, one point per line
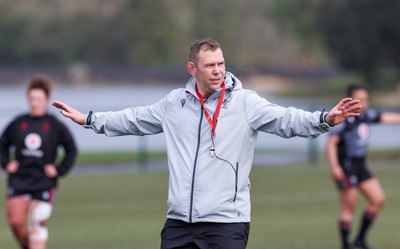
178 234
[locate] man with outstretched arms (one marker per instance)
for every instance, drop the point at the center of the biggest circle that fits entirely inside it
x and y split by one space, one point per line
210 128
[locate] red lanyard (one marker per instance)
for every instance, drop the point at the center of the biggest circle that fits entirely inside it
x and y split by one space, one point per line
213 122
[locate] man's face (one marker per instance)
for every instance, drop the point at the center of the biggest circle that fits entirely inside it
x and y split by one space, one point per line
209 71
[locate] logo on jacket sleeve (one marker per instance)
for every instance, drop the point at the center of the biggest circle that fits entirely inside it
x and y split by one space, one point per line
32 143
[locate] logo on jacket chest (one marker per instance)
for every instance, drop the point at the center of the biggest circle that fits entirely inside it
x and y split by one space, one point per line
32 143
225 103
183 102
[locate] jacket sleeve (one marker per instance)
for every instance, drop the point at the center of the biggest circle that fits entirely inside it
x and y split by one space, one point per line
142 120
285 122
68 143
5 143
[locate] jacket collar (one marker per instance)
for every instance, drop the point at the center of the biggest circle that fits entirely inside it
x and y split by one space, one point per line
232 83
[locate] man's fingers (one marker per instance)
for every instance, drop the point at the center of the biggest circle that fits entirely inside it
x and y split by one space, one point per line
352 106
57 104
352 103
66 110
66 114
345 101
335 113
70 112
349 105
62 106
346 108
356 108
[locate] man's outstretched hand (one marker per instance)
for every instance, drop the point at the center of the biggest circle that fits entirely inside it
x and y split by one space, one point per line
70 112
346 108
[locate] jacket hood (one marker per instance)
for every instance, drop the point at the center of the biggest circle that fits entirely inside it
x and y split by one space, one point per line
231 82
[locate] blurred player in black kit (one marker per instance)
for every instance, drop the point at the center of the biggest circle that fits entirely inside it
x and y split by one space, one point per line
346 151
28 148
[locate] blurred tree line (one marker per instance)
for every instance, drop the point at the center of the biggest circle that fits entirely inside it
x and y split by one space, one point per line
136 32
357 35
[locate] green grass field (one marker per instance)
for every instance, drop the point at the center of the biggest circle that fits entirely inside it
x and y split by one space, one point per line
293 207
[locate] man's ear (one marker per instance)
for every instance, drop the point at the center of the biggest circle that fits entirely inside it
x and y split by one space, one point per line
191 68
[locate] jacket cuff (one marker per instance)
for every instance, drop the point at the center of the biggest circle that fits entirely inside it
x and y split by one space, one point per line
322 120
88 121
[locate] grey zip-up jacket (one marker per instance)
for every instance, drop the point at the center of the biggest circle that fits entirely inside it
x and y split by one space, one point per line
203 187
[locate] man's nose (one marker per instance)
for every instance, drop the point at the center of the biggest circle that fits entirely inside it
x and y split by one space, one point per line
216 70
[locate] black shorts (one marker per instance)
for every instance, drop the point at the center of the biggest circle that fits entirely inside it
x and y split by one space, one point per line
42 195
356 171
204 235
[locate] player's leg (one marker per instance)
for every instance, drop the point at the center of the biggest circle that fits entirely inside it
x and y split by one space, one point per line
17 212
39 213
348 200
373 191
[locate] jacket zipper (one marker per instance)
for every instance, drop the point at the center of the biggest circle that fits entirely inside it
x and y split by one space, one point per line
194 168
236 180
